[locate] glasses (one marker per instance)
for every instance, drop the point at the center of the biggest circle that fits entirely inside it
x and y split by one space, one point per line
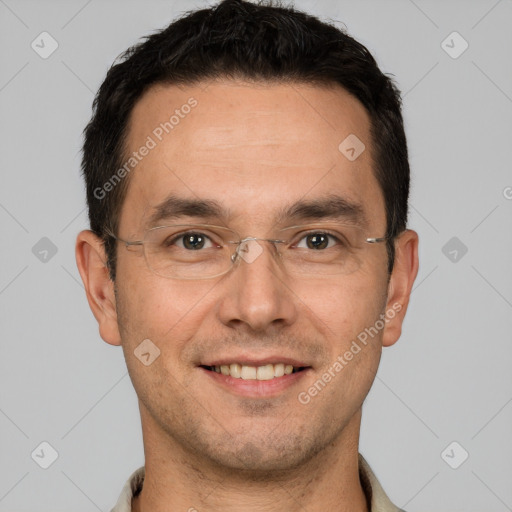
204 251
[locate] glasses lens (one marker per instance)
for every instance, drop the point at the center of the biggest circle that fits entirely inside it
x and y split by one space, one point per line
203 251
188 251
327 249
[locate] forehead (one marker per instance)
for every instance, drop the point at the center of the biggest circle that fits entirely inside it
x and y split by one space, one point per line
252 147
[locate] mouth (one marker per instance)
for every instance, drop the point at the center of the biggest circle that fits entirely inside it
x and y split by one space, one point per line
249 375
264 372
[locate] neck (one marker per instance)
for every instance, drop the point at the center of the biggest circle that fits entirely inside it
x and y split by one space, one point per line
176 479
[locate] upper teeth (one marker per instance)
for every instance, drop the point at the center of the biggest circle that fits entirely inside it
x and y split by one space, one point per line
266 372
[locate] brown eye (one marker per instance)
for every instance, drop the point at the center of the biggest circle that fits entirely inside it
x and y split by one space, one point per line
193 241
189 241
317 241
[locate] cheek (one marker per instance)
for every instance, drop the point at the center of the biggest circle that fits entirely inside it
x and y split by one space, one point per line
166 311
343 308
168 316
347 313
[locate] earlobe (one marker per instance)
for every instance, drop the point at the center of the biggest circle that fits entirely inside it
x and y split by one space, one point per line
99 288
402 279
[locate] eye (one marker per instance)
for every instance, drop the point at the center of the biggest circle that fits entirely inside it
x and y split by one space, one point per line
318 240
192 241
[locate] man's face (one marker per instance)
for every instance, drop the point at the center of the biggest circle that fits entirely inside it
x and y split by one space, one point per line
256 150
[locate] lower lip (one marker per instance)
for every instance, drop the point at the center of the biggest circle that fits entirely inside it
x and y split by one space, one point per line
256 388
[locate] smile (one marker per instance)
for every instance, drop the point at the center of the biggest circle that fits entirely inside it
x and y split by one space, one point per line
265 372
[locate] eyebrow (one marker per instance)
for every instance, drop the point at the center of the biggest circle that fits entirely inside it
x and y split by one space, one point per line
332 207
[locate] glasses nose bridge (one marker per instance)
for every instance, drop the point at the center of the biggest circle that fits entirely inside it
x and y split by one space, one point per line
241 246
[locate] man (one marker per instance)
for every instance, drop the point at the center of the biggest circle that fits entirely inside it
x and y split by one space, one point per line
247 181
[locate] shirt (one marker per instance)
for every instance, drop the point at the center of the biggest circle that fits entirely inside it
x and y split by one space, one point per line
371 487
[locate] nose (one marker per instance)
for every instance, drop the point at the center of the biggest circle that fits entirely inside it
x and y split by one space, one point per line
257 292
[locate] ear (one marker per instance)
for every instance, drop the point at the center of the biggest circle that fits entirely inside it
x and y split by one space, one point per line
402 278
99 288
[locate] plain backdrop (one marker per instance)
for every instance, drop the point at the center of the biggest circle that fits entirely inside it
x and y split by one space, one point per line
448 380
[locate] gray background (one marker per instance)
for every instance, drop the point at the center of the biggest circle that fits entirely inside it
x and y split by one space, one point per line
447 379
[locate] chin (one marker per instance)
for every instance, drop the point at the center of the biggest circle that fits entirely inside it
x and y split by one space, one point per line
265 457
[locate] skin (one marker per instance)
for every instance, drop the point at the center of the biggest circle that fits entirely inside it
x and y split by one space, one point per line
254 148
